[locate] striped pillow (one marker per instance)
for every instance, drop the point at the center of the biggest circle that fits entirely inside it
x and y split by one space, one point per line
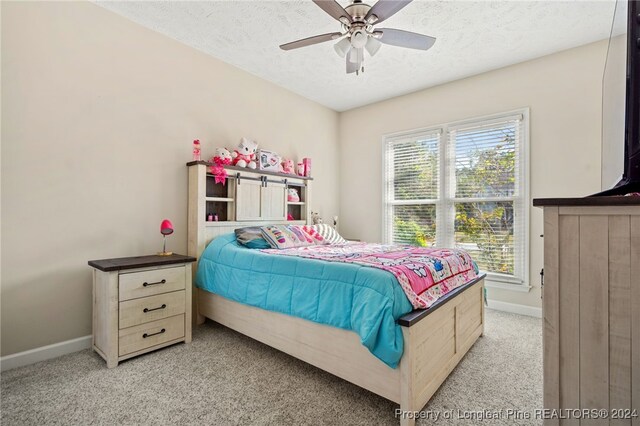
314 234
329 234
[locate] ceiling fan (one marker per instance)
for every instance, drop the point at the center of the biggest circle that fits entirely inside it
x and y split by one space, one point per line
358 34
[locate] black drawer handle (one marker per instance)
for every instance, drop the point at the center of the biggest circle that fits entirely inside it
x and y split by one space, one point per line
144 284
145 310
145 335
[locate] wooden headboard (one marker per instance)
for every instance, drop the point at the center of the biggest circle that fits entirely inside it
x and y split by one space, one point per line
248 198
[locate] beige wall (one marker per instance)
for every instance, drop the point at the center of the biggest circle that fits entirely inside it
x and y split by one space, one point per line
98 118
564 97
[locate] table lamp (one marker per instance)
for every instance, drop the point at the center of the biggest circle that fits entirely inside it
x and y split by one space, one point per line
166 228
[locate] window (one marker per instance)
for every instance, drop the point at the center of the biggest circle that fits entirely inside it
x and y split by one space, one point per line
462 185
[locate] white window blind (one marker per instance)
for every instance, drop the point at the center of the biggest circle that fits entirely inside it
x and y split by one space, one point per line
465 189
486 193
413 188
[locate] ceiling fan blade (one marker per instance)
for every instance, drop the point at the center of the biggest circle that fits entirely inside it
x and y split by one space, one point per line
385 9
405 39
310 40
351 66
334 9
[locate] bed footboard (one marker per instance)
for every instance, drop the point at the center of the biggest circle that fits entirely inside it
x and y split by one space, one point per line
435 345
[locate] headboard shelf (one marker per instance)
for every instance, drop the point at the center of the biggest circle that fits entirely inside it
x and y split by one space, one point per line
219 199
245 169
229 224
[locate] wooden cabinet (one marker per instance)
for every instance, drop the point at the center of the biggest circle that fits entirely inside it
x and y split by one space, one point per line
591 307
140 304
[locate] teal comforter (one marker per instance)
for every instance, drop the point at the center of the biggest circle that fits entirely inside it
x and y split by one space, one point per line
365 300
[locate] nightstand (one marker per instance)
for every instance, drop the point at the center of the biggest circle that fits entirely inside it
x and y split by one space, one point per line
140 304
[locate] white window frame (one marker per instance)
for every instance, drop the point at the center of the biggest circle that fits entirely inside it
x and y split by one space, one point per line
445 204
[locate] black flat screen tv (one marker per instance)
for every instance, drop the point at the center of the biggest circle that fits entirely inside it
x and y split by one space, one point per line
630 179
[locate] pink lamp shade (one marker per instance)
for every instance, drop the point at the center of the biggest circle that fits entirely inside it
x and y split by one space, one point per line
166 227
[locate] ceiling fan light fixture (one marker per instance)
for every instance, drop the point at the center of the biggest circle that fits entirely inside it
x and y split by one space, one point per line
373 45
359 39
342 47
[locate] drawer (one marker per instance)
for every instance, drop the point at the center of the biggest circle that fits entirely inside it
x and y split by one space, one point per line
148 283
150 334
146 309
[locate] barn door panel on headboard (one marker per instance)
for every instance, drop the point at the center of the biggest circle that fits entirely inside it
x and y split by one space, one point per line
248 199
273 201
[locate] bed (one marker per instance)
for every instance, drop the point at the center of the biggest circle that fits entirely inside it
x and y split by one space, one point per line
426 344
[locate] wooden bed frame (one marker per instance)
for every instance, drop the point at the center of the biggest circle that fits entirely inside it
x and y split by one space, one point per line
435 340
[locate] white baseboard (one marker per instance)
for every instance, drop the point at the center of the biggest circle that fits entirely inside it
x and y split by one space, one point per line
44 353
514 308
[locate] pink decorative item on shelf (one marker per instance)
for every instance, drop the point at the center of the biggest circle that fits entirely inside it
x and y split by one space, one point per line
245 154
221 159
287 167
166 228
307 166
290 216
300 169
196 150
292 195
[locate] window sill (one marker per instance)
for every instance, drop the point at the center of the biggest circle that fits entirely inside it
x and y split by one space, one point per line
506 283
519 288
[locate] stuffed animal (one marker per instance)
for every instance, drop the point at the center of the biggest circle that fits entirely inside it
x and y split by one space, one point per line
287 167
221 159
245 154
292 195
315 218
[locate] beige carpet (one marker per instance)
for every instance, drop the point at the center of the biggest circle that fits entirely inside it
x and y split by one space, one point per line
224 378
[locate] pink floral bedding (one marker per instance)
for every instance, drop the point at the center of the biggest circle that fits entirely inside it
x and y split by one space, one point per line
425 274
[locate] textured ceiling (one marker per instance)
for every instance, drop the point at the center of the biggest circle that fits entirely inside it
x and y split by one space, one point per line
472 37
